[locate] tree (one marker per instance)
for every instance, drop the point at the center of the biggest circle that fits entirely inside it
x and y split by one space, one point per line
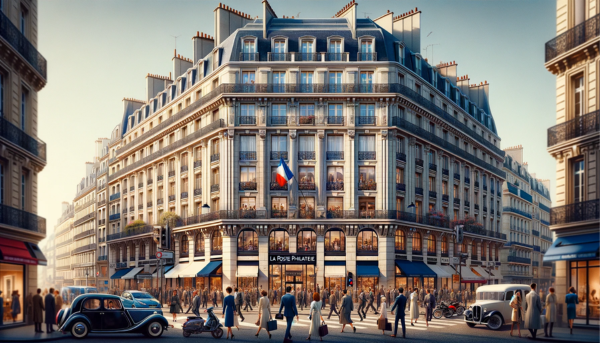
136 224
169 217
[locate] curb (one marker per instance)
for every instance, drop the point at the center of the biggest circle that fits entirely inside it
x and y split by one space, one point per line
45 339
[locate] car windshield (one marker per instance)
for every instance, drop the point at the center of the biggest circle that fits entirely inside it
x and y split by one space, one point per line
490 296
142 296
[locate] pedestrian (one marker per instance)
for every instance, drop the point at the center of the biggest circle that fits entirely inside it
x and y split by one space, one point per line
50 311
400 302
274 296
247 299
371 300
238 301
196 304
38 309
362 302
288 303
229 311
315 316
414 307
550 312
517 314
383 316
175 305
533 311
572 301
205 298
300 300
214 298
264 313
429 306
15 306
346 310
333 304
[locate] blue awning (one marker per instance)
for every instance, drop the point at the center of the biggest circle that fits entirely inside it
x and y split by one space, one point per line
578 247
120 273
210 268
367 268
335 263
413 269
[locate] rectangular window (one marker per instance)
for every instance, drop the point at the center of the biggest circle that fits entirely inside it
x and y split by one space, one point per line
335 206
335 82
23 21
335 114
445 187
248 143
24 95
578 97
279 46
248 204
366 77
335 143
248 77
279 205
307 47
335 46
307 111
366 207
306 175
335 174
578 181
23 190
248 174
306 78
279 143
249 46
366 143
399 175
307 143
367 114
247 115
366 176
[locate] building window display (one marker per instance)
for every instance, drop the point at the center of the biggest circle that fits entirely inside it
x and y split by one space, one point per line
199 245
279 208
12 287
366 207
585 278
279 240
417 244
248 241
335 241
216 243
366 242
307 241
444 246
248 207
431 245
335 207
307 208
400 241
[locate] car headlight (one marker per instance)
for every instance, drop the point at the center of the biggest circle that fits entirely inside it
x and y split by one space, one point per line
141 302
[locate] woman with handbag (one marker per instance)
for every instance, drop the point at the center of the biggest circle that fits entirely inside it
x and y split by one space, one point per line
550 312
381 322
516 316
316 318
174 308
264 313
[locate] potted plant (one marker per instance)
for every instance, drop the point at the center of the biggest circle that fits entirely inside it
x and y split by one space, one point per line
169 217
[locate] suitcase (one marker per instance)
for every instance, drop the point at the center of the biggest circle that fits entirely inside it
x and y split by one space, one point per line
272 325
323 331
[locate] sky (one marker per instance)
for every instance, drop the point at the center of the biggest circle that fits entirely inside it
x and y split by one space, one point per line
99 52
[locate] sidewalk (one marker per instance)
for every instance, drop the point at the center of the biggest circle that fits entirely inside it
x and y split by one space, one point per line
27 334
563 335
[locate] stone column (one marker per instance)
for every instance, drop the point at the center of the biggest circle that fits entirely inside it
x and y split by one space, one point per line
293 167
351 232
263 256
321 172
439 176
229 257
409 175
320 255
386 255
350 177
262 170
426 149
383 166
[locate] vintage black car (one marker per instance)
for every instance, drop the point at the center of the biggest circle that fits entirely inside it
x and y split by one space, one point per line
104 313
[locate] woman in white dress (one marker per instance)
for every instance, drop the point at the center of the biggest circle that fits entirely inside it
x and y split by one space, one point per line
316 316
264 313
383 311
414 306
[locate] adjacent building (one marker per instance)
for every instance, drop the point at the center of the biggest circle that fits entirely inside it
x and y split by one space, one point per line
63 238
574 142
46 274
23 73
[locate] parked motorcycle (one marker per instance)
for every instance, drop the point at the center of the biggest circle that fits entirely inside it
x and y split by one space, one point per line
197 325
459 309
444 310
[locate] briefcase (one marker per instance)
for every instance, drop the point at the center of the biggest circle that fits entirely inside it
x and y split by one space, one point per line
323 331
271 325
388 326
381 323
279 316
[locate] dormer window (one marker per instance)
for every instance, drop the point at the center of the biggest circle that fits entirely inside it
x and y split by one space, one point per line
400 54
307 50
249 50
366 50
279 49
335 49
418 65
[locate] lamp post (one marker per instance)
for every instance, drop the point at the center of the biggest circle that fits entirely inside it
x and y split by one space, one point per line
87 273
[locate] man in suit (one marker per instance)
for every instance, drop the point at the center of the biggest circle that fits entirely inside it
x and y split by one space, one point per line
50 309
214 298
38 309
362 302
371 299
533 311
301 299
430 306
288 302
204 297
333 304
196 304
238 301
247 300
400 302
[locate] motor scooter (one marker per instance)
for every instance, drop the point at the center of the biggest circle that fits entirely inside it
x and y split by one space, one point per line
197 325
459 309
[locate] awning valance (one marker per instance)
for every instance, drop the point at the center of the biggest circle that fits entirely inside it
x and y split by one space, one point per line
467 276
120 273
175 272
577 247
192 269
210 268
367 268
37 253
413 269
132 273
16 252
247 271
441 272
166 269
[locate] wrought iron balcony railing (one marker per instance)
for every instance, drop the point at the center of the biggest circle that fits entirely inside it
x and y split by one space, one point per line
335 186
433 166
249 56
419 162
214 188
419 190
279 56
183 169
276 155
445 171
247 155
278 120
197 192
367 155
306 120
366 56
586 124
401 187
197 164
367 186
22 219
171 198
336 56
306 186
22 45
575 212
335 120
307 56
335 155
247 120
517 259
433 194
400 156
366 120
159 201
215 157
184 195
306 155
516 210
276 187
573 38
13 134
445 197
247 186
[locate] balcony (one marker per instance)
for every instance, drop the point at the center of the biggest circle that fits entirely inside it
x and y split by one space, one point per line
279 214
102 258
247 120
129 233
366 56
101 202
445 197
456 201
197 164
85 218
535 263
535 233
476 184
366 120
584 125
335 186
247 155
101 222
140 185
367 155
215 157
485 209
160 177
84 234
419 162
132 188
183 169
170 174
476 206
335 214
21 219
367 186
125 211
467 203
214 188
149 182
114 196
278 120
247 186
306 186
306 155
279 56
20 43
445 172
171 198
197 192
276 187
132 208
307 57
433 194
456 176
573 38
400 156
306 120
184 195
516 259
335 120
401 187
419 191
159 201
432 167
276 155
547 238
149 204
249 56
336 56
335 155
517 211
306 214
536 248
467 180
84 248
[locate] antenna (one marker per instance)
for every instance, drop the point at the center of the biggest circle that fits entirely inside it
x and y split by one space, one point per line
429 34
298 15
427 49
175 40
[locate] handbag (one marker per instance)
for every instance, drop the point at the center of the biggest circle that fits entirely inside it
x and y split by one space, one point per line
323 331
272 325
279 316
381 323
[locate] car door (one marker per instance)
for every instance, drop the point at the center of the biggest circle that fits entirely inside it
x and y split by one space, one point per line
114 317
92 309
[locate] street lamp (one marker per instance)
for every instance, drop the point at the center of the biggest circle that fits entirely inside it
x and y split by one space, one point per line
87 273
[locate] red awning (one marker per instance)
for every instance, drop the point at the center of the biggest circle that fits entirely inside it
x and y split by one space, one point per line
16 252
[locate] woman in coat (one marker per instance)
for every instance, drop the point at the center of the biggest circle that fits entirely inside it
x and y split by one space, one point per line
58 300
383 311
264 313
346 310
175 305
517 312
550 312
229 311
315 315
414 306
15 306
571 300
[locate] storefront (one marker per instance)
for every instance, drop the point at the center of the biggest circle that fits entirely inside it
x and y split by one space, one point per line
130 278
247 275
213 271
335 275
445 274
144 279
470 279
367 275
118 281
296 271
414 275
158 278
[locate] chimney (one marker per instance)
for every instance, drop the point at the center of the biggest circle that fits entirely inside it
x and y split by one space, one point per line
462 82
268 14
478 93
516 152
203 44
227 20
65 207
180 65
407 28
546 183
386 21
448 70
155 84
350 13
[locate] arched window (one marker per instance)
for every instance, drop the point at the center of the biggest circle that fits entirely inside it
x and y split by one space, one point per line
473 250
216 243
335 240
132 252
184 246
366 241
199 245
248 241
431 244
444 245
400 240
307 240
416 243
142 252
279 240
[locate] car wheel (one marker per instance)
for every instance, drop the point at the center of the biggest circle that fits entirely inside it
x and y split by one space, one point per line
218 333
437 314
460 310
448 313
79 329
154 329
471 325
495 322
186 334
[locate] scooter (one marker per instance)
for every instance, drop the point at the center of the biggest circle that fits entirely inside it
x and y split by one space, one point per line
459 309
197 325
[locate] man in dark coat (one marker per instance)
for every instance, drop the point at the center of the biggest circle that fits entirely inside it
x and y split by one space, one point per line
362 302
204 297
50 308
238 301
38 310
247 300
400 302
429 305
370 304
214 298
333 304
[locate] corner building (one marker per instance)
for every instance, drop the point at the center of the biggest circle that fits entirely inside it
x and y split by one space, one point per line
387 152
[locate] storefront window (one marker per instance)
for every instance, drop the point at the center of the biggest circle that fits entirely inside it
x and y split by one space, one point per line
585 278
365 282
307 208
416 243
335 241
217 243
248 241
279 208
13 282
279 240
307 241
199 245
400 241
431 245
366 241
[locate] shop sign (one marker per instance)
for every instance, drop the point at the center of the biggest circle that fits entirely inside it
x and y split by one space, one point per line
293 273
455 278
432 260
455 261
446 260
293 259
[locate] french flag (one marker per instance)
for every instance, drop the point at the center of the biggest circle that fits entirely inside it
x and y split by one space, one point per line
284 174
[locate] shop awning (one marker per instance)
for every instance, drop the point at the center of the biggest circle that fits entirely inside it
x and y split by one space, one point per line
132 273
483 273
176 271
192 269
120 273
142 276
367 268
577 247
467 276
16 251
335 268
441 272
412 269
166 269
210 268
37 253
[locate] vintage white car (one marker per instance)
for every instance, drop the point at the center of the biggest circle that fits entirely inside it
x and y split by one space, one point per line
492 305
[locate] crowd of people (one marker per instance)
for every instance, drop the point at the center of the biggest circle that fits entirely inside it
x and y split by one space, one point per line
39 308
